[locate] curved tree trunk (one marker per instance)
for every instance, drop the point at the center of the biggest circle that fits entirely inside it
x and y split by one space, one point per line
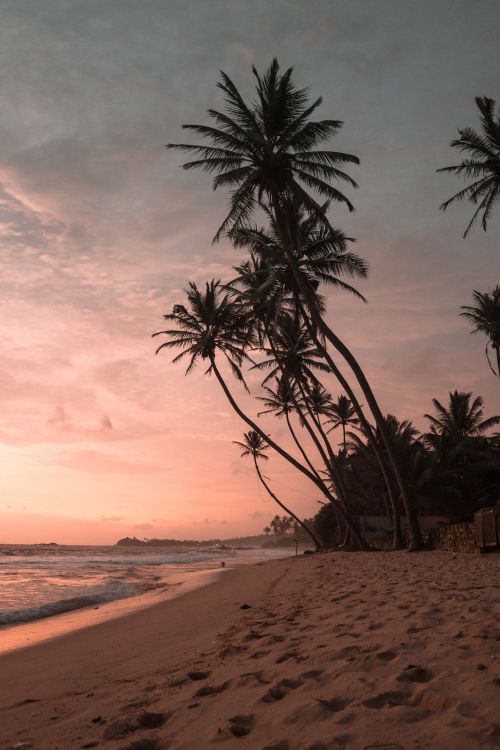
299 446
282 505
296 464
336 477
311 303
396 529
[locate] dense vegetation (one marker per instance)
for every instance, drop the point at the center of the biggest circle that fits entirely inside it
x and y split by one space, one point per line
271 318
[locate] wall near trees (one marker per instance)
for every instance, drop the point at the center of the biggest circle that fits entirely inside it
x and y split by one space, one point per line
456 537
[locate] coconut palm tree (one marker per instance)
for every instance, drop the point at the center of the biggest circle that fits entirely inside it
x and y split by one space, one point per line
266 283
253 445
483 166
485 318
268 152
342 414
213 322
268 147
460 419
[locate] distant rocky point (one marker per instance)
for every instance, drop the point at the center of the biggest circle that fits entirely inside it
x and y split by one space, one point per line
240 543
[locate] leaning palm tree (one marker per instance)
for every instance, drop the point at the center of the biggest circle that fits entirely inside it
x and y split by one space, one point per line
461 419
343 414
270 152
253 445
485 318
266 284
214 322
483 166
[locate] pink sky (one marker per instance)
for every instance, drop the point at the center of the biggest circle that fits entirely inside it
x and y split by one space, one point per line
101 231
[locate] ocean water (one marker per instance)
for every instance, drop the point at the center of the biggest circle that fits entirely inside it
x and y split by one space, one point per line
44 580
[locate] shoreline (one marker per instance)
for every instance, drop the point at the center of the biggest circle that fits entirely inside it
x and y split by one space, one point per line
180 578
337 650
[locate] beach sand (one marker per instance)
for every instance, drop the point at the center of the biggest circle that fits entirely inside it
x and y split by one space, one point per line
361 651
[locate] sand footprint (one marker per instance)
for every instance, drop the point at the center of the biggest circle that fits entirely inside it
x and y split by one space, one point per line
388 699
196 675
211 689
251 678
415 674
144 744
280 690
388 655
241 725
334 704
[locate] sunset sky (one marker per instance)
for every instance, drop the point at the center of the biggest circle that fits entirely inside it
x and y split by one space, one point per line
101 230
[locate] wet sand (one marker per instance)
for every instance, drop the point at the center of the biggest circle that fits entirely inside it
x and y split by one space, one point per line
357 651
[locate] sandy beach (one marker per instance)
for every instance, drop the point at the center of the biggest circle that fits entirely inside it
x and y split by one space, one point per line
358 651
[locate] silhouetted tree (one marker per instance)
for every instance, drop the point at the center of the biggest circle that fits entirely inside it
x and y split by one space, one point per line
483 164
485 318
267 153
253 445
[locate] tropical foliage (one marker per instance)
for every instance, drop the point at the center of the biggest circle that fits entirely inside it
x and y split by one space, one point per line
485 318
482 164
267 327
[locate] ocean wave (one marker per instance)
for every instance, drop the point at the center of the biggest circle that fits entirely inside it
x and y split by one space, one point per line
97 561
112 590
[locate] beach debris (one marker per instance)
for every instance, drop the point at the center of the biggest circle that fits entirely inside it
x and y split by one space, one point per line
245 606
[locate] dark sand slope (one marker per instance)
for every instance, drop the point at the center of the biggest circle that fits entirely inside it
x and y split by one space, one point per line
357 651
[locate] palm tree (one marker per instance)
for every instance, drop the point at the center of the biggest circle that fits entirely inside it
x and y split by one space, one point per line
253 445
483 166
213 322
268 147
267 153
343 414
460 419
266 284
485 318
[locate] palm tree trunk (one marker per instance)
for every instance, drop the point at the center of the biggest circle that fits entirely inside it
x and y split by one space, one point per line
284 454
415 535
367 429
333 469
283 506
299 446
329 462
